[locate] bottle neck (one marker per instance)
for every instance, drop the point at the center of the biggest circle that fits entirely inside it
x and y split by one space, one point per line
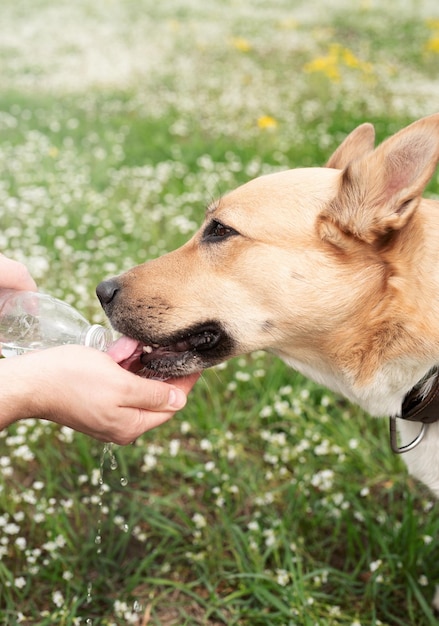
98 337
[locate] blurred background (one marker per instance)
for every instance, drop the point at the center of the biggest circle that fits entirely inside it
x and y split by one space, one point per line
268 500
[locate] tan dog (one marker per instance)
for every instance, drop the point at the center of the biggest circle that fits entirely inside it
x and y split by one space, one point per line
335 270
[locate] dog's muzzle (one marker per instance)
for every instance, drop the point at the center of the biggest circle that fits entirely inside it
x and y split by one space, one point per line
160 353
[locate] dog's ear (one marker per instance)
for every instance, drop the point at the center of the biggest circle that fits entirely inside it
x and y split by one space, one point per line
379 193
359 142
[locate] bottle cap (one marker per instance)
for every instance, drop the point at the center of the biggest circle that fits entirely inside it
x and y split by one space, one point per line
98 337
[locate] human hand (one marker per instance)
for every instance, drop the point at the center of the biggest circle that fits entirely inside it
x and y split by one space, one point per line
15 275
86 390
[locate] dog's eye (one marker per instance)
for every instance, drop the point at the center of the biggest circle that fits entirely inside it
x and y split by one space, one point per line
215 231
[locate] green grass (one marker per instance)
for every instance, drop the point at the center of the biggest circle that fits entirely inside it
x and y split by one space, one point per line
268 501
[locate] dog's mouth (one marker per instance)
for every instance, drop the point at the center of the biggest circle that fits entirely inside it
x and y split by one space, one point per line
183 353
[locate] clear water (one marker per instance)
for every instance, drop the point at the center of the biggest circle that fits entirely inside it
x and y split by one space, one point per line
107 451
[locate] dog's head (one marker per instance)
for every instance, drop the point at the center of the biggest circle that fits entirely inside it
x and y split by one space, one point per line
300 263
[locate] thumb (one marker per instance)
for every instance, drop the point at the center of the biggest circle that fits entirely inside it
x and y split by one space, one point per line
156 395
176 399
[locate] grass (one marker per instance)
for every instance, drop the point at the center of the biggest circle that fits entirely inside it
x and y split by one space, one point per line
268 501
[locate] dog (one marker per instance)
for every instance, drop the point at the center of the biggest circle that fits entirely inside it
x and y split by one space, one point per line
333 269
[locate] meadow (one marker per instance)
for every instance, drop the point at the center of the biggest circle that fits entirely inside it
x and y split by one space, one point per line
268 501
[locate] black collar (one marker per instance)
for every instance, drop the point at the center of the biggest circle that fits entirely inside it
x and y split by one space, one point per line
422 409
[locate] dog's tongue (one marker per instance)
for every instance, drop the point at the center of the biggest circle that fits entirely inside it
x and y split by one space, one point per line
122 349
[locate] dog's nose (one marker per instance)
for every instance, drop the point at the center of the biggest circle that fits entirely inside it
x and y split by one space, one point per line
106 290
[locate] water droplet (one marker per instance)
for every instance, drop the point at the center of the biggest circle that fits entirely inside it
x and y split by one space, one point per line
89 621
108 448
98 539
113 463
125 528
124 481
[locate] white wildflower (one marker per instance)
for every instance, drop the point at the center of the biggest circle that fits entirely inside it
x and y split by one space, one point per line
20 582
242 376
266 411
323 480
21 543
427 539
282 577
206 445
185 427
199 520
375 565
270 537
149 462
174 447
58 599
11 529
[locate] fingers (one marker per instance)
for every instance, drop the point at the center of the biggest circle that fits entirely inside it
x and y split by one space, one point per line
15 275
157 403
148 420
135 422
131 424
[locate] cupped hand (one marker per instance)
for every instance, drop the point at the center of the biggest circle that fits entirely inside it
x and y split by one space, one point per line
86 390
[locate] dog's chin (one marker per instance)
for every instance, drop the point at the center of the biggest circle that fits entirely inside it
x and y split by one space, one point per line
186 352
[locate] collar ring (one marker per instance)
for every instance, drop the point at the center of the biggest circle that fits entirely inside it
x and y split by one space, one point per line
396 448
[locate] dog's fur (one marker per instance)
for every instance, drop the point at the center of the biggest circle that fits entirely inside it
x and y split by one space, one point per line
334 269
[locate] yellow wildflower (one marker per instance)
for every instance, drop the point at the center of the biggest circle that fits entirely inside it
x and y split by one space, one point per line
326 65
432 45
288 23
432 23
266 122
349 58
174 25
241 44
337 57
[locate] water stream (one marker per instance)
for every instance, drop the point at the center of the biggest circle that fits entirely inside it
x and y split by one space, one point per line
107 451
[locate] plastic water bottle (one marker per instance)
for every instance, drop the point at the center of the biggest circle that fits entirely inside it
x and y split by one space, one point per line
34 321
